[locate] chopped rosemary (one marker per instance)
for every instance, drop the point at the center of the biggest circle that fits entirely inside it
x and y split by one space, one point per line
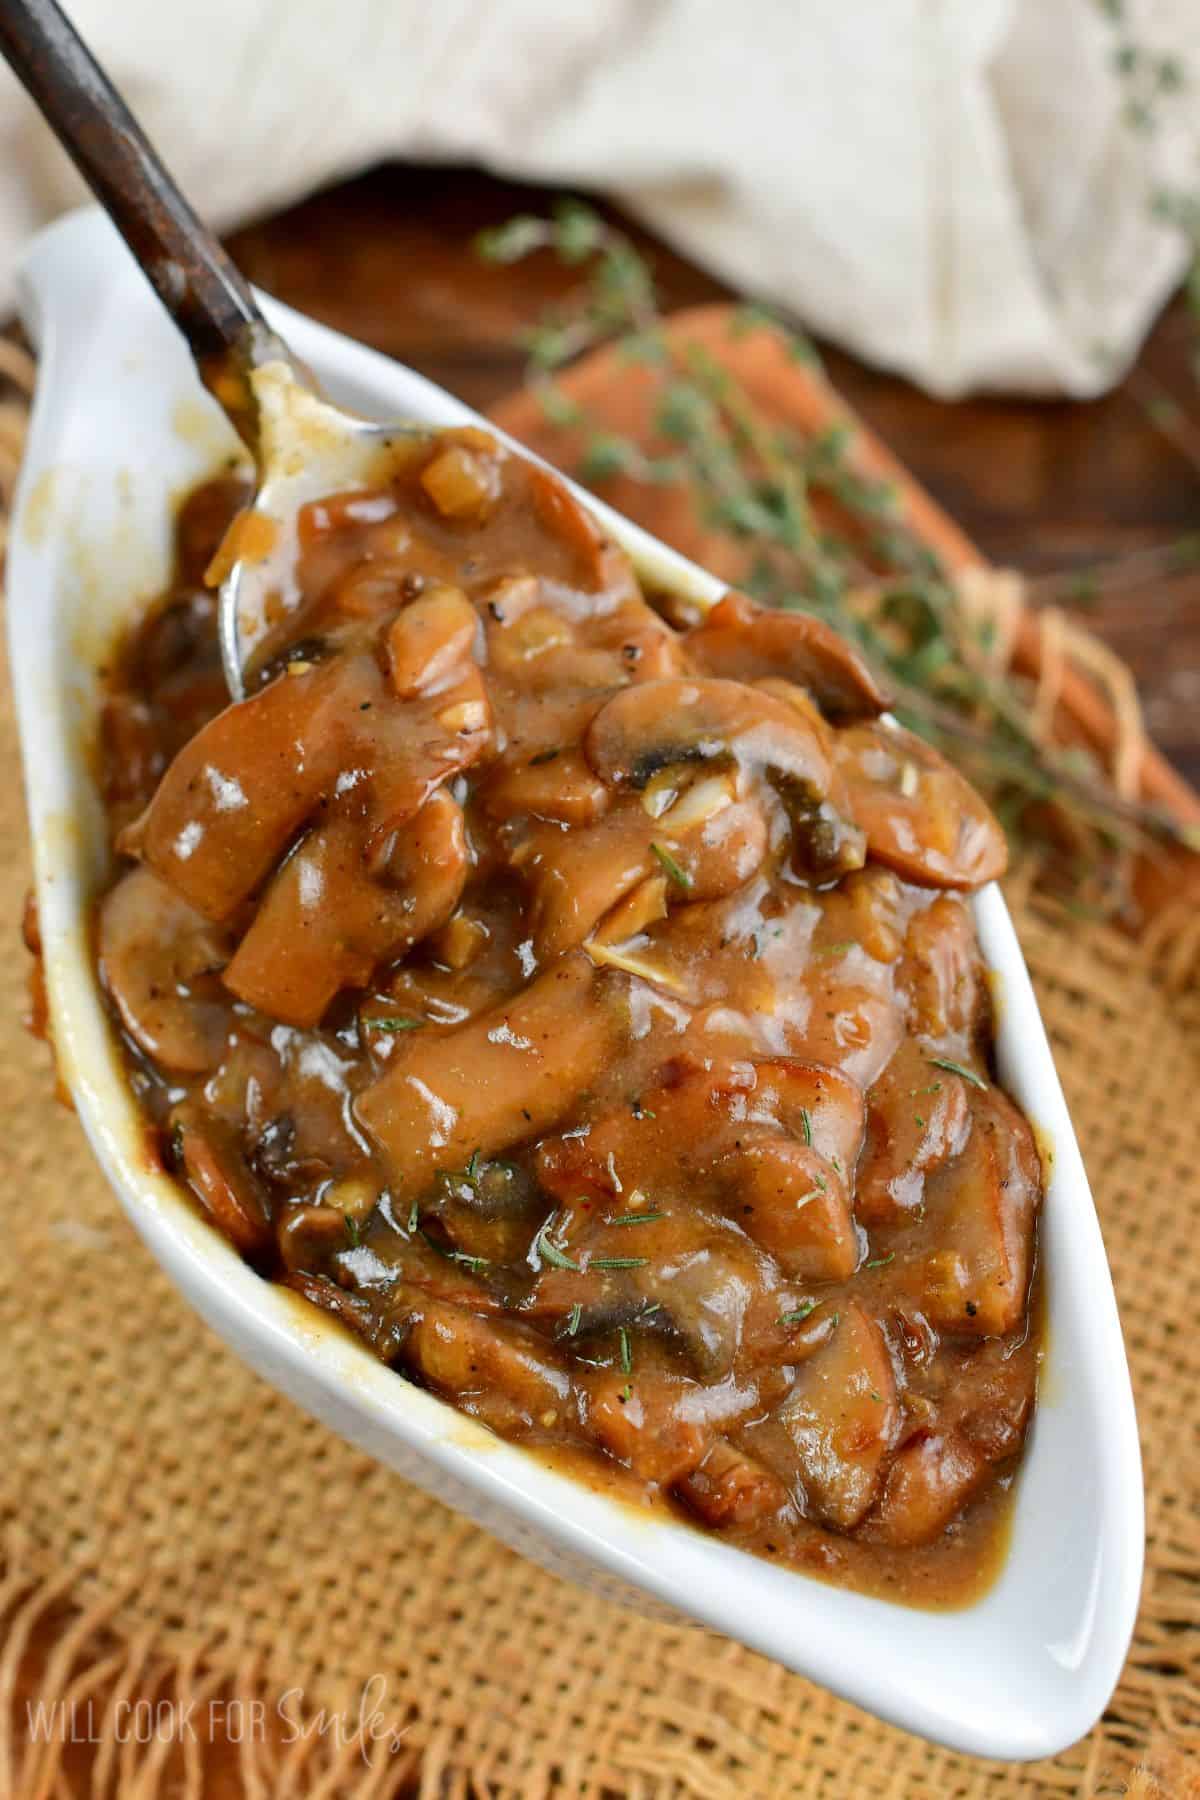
394 1022
806 1125
881 1262
469 1262
457 1256
544 756
353 1230
626 1350
573 1320
798 1314
627 1392
957 1068
637 1218
414 1216
618 1262
546 1250
678 875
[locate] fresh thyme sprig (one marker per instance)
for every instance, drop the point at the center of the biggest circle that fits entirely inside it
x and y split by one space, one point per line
818 535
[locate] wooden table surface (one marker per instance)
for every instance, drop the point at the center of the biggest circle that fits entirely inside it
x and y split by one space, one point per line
1042 486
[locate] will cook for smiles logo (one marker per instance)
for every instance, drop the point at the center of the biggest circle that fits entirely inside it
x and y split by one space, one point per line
227 1720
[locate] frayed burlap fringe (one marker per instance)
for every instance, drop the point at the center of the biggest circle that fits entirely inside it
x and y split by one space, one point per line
177 1535
148 1727
997 597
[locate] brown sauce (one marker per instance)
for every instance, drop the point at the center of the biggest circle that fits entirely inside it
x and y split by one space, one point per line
585 1009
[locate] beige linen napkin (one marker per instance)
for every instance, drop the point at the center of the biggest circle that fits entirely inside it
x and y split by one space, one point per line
948 187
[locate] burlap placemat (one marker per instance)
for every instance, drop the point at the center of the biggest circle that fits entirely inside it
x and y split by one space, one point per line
175 1529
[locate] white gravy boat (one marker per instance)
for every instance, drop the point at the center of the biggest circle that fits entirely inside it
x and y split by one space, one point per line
121 428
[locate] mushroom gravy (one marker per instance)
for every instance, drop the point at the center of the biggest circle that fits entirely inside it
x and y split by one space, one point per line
578 999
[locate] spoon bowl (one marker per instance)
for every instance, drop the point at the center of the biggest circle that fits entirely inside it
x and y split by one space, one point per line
307 449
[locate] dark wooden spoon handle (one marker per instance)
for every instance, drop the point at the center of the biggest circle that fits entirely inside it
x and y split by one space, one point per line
194 278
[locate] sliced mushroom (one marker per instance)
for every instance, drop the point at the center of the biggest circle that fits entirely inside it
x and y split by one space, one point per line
576 877
218 1173
325 922
868 910
497 1370
654 1146
816 1104
942 971
286 1093
598 1321
921 817
159 959
984 1203
307 1233
237 794
648 1425
486 1210
719 1295
743 641
643 646
779 1137
795 1205
509 1074
551 783
850 1026
918 1118
730 1490
841 1419
942 1467
416 749
657 724
932 1478
565 518
351 1310
232 799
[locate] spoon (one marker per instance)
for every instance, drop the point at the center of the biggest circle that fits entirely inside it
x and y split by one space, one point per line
303 448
